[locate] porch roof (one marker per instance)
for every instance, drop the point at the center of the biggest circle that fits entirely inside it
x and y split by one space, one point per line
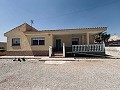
68 31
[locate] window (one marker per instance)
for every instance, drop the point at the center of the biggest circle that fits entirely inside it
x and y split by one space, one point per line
38 41
75 41
16 42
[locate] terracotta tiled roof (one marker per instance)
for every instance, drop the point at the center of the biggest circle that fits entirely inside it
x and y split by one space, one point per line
114 38
71 29
20 26
57 29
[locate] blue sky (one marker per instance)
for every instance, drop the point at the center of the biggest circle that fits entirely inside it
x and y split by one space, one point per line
60 14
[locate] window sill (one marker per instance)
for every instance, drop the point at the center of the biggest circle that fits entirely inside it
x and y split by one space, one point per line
15 45
37 45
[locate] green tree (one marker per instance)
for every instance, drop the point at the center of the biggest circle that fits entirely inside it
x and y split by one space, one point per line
102 37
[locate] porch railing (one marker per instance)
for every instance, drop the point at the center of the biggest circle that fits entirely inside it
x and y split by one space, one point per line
88 48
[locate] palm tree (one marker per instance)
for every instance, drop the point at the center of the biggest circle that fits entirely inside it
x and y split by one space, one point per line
102 37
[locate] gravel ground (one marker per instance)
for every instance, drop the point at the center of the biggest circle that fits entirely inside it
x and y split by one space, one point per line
82 75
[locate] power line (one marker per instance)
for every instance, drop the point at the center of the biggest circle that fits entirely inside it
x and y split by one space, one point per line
78 11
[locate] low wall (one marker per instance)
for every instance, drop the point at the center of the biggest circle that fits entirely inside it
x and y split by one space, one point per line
113 51
27 53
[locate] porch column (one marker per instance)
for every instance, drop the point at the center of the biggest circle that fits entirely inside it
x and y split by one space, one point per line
88 38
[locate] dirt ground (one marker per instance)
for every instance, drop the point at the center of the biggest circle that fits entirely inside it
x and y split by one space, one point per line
82 75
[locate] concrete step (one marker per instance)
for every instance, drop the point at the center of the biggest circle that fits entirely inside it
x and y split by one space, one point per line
58 54
57 57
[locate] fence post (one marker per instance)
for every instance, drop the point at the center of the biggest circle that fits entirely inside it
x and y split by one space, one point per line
50 51
63 49
103 46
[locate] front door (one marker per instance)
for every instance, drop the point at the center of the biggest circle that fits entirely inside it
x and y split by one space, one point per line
58 44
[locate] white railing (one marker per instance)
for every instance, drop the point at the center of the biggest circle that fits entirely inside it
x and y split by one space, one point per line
50 51
88 48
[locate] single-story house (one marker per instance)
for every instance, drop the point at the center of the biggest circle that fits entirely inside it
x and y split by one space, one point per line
114 40
25 40
3 48
3 45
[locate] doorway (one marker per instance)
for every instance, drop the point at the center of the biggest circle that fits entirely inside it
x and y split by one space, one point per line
58 45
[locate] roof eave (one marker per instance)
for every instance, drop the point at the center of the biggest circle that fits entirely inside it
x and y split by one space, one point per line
75 31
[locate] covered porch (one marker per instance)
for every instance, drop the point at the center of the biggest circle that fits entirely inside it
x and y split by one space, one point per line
75 44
